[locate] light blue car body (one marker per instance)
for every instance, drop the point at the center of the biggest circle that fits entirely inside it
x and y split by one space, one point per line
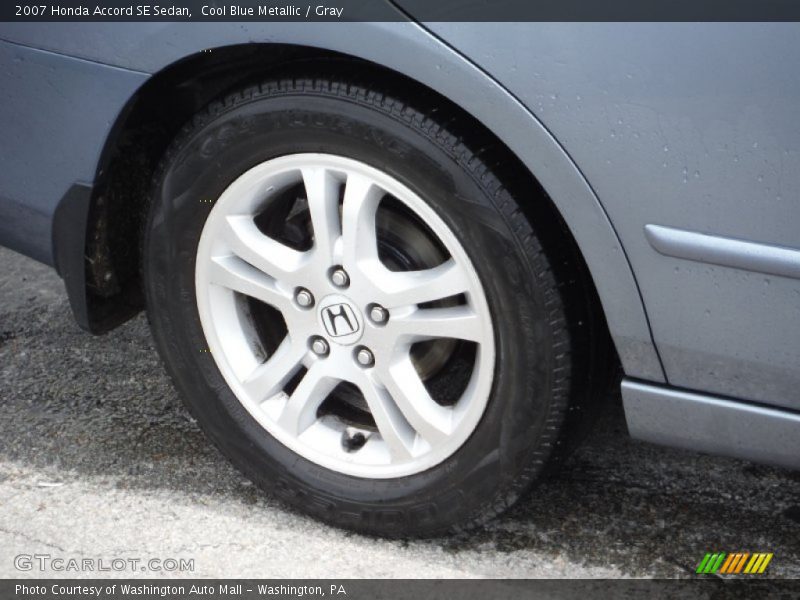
671 151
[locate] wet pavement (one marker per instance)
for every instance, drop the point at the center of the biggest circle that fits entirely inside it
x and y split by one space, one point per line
99 459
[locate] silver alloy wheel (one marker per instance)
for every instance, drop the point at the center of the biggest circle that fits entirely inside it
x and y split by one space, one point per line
345 280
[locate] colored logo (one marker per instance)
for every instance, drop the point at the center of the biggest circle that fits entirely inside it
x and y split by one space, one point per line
735 563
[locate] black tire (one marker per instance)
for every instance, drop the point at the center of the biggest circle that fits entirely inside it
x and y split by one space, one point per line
531 392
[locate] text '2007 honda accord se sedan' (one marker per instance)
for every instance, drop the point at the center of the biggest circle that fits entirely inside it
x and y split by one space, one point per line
393 269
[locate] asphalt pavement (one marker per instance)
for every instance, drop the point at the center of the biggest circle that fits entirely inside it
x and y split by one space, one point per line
99 460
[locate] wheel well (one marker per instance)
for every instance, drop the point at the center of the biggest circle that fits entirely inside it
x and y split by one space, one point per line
156 113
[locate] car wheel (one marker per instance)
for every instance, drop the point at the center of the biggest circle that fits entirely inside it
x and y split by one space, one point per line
355 309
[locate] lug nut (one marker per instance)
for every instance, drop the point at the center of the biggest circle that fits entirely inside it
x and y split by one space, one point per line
340 278
365 357
304 298
319 346
378 314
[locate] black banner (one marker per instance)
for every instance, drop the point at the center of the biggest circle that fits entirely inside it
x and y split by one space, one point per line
366 589
401 10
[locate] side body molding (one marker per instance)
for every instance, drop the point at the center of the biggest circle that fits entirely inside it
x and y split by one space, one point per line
724 251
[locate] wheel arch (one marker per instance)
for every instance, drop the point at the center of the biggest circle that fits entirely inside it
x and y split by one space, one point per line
142 131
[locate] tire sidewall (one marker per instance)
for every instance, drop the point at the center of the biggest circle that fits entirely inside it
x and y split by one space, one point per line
508 441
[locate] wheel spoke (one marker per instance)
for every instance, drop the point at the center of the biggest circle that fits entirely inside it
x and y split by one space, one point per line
457 322
431 420
322 190
300 411
417 287
275 259
361 199
270 377
392 425
344 236
235 274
